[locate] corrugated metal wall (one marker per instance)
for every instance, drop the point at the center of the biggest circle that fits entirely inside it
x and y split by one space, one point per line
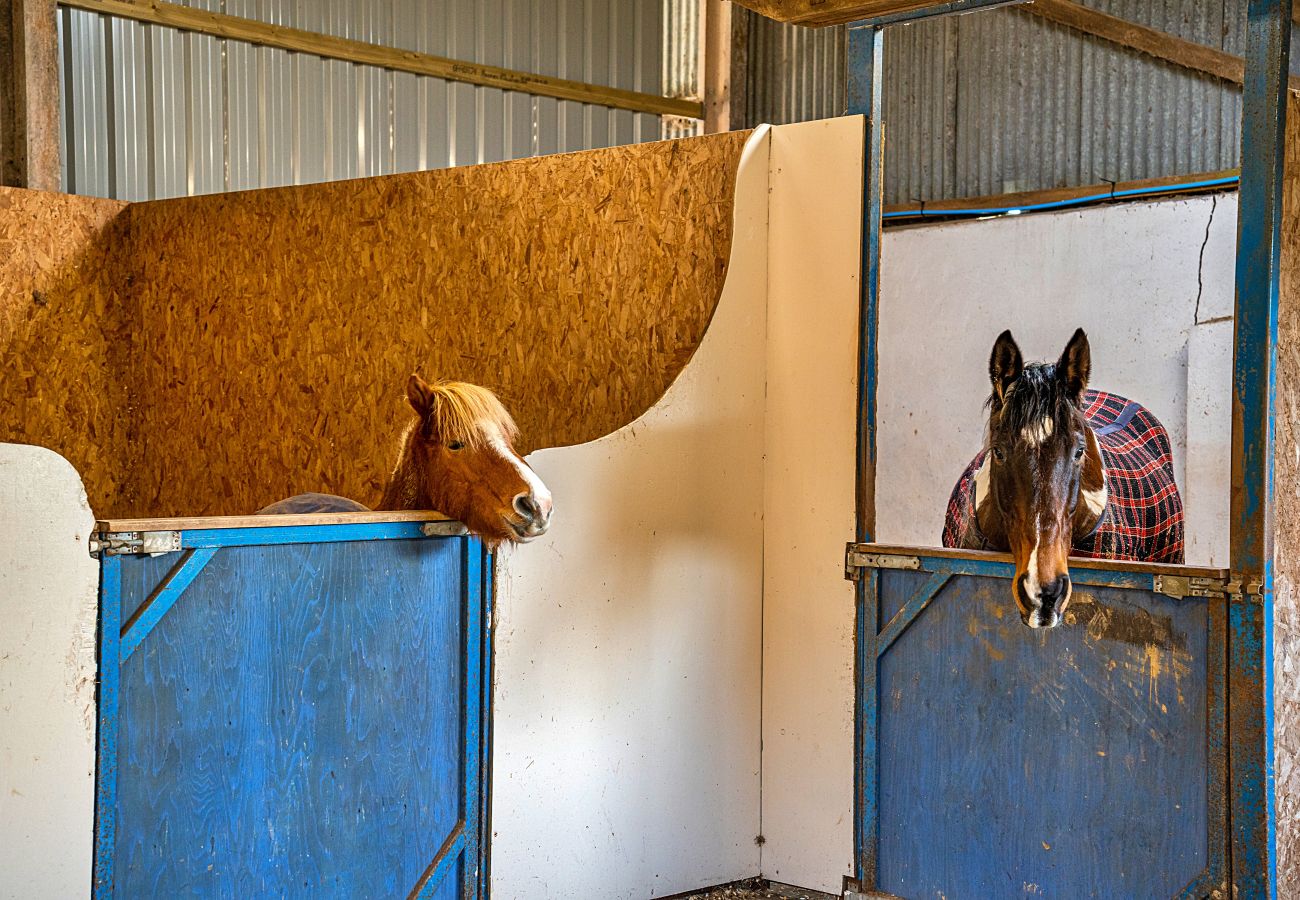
152 112
797 73
1002 101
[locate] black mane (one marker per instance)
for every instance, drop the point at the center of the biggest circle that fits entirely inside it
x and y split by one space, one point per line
1036 395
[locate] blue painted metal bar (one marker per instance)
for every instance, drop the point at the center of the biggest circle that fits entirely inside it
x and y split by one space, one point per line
1216 876
472 745
163 598
299 534
866 786
110 627
865 67
443 861
1229 181
1250 661
911 609
865 61
997 568
485 715
955 7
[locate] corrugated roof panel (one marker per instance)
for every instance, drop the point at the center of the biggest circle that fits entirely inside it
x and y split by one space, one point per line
1001 100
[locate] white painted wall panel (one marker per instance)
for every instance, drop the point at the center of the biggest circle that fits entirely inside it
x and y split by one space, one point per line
1129 274
808 614
48 601
628 655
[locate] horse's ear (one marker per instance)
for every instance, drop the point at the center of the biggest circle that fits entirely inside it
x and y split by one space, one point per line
419 395
1075 366
1005 365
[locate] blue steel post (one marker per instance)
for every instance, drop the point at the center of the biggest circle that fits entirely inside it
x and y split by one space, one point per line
110 627
866 55
1250 660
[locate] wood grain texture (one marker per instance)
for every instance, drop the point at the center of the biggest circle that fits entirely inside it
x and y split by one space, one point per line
210 355
280 521
292 727
1066 762
1286 536
64 329
29 95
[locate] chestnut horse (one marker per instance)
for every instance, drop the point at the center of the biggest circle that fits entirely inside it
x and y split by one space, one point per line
457 458
1065 471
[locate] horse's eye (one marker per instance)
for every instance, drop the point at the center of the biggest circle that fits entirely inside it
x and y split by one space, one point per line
1078 454
455 445
999 455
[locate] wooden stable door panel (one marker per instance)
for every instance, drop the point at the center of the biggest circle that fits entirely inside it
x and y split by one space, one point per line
304 721
1079 761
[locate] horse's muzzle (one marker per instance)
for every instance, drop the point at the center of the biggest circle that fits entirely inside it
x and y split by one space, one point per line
534 517
1044 611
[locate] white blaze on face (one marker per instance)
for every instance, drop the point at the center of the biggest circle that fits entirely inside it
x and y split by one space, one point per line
1036 435
1033 590
540 494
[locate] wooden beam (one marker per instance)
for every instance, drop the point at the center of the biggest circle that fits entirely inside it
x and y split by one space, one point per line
264 34
1154 43
819 13
29 94
715 64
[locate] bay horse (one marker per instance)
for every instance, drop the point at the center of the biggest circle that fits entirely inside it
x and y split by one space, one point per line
1064 471
458 458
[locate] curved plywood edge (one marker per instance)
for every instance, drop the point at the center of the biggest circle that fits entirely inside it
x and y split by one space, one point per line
63 331
280 325
48 616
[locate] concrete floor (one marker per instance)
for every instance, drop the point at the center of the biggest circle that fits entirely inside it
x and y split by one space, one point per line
760 890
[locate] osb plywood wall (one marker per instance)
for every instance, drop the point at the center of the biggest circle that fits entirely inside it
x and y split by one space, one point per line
63 327
1286 550
268 335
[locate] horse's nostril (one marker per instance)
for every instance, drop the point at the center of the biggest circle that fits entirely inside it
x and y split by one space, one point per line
526 506
1055 590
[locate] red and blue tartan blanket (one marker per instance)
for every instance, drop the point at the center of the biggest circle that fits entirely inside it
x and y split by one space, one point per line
1144 513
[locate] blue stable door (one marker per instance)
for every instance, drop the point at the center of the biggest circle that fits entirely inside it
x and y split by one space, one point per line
293 712
997 761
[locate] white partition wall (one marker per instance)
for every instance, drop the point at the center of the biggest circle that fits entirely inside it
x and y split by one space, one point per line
1144 280
48 590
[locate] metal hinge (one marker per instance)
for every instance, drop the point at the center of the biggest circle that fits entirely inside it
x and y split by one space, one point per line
856 559
124 543
1182 586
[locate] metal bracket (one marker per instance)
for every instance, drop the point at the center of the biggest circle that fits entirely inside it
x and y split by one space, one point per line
855 559
443 529
142 543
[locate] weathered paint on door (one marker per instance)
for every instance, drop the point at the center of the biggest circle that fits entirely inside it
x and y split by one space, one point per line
304 717
1081 761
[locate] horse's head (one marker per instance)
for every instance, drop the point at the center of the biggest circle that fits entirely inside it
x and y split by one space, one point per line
1037 478
461 448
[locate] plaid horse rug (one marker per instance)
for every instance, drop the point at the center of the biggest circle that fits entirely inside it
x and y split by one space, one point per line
1144 514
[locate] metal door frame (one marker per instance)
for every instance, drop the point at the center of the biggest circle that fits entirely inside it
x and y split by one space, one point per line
197 546
1251 801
